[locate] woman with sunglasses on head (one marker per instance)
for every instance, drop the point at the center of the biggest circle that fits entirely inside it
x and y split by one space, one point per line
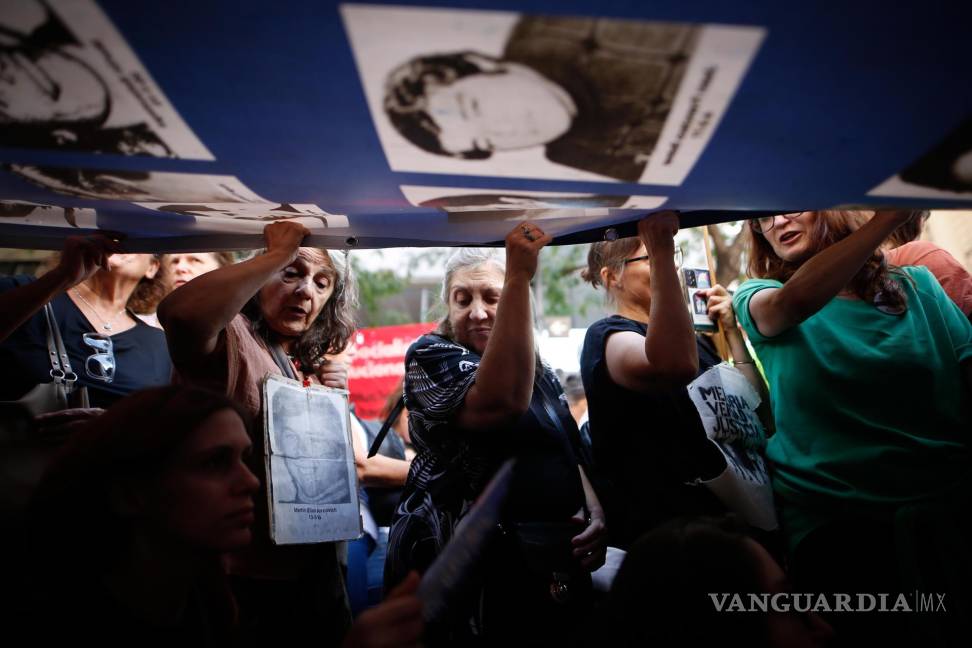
110 350
278 313
870 371
648 439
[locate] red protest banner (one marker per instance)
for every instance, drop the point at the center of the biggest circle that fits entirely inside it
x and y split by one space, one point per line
379 364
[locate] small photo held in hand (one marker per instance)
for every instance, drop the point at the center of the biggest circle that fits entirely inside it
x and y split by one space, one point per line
694 280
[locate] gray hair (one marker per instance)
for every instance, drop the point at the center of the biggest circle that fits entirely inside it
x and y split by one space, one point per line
333 328
473 258
470 258
460 259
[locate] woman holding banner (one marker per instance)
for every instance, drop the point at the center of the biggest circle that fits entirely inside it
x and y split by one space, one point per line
277 313
477 394
648 436
874 490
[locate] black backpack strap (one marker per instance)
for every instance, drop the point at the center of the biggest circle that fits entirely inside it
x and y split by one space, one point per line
389 421
548 400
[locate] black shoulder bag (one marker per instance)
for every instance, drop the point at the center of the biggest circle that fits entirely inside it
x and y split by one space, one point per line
62 392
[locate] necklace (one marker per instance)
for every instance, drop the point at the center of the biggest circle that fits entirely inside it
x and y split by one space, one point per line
105 323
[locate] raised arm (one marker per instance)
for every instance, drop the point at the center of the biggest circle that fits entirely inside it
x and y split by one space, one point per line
81 258
504 379
667 355
822 277
719 303
378 470
195 314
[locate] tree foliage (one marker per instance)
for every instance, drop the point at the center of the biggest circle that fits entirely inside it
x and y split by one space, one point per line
729 246
374 287
558 281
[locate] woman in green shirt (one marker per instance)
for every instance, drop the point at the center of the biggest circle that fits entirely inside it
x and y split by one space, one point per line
870 370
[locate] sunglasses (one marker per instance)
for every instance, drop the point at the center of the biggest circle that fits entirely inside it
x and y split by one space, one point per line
647 257
764 224
100 365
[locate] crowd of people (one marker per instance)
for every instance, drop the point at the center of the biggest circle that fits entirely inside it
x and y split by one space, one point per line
846 404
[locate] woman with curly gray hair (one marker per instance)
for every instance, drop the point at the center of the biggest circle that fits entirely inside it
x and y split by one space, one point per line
277 313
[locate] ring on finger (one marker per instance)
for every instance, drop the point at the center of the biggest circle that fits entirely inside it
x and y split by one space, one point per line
528 233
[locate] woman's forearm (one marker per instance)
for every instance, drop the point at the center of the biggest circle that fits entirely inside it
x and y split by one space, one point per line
670 345
505 376
21 303
194 315
744 363
590 496
823 276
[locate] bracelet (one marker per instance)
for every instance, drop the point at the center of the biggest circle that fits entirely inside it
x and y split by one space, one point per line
738 362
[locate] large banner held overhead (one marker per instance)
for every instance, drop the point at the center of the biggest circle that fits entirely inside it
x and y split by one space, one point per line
189 126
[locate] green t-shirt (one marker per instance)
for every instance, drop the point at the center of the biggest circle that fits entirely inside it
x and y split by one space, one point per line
871 408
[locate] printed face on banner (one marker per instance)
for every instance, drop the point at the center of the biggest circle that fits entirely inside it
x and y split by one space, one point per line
137 186
310 215
506 94
945 171
560 211
68 80
310 441
27 213
485 201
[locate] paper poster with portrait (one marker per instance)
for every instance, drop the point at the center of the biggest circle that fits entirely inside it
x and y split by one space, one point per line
309 215
312 483
944 171
21 212
137 186
727 404
71 82
505 94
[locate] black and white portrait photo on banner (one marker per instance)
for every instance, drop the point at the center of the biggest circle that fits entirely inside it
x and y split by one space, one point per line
311 216
69 81
313 484
457 200
138 186
28 213
564 98
944 171
477 205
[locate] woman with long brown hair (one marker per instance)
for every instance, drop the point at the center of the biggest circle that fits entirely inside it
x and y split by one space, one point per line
280 311
155 492
870 373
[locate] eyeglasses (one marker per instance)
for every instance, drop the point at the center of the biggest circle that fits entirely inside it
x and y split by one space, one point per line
764 224
647 257
101 364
